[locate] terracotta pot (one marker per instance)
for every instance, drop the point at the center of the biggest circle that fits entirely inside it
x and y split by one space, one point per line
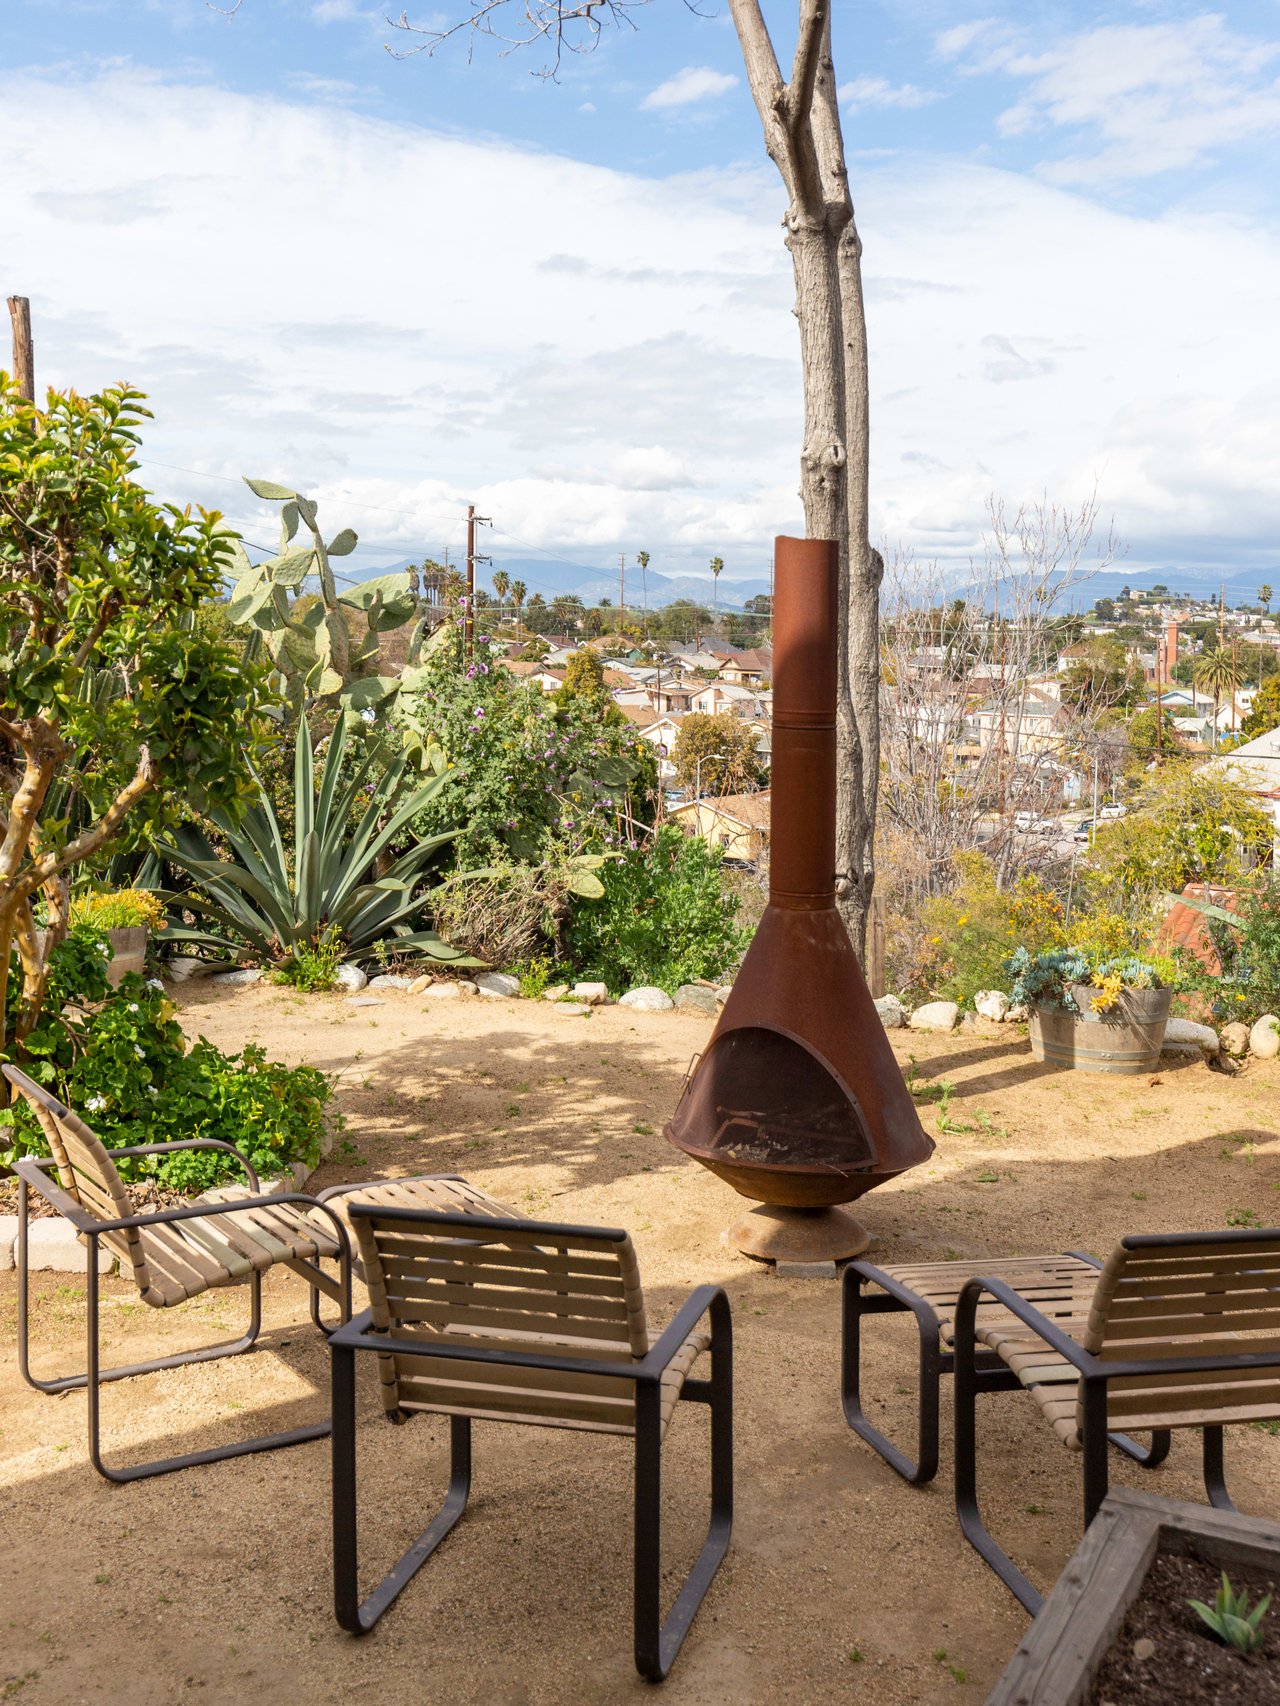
1125 1039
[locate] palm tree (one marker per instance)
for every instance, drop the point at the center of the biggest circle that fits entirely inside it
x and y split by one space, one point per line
1215 671
642 557
501 584
518 591
717 569
1265 595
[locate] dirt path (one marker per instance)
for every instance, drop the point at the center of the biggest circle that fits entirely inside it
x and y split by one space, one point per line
842 1583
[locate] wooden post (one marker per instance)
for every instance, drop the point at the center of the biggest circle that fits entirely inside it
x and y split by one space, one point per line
24 361
875 969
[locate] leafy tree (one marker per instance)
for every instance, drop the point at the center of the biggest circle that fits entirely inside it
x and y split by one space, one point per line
1190 826
1264 714
1145 744
682 620
119 712
1104 609
1100 678
715 754
759 605
584 679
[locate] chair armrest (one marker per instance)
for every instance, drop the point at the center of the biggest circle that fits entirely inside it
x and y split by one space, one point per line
1094 1262
707 1298
192 1143
1017 1305
202 1211
31 1170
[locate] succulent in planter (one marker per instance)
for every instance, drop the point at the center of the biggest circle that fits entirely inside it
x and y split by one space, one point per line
1058 977
121 909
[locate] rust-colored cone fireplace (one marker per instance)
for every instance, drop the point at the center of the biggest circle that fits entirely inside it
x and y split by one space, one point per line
798 1101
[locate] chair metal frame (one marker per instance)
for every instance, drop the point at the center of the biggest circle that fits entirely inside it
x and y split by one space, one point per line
657 1641
1095 1375
33 1174
989 1373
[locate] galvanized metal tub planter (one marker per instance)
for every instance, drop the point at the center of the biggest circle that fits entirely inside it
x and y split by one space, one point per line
128 951
1127 1038
1059 1657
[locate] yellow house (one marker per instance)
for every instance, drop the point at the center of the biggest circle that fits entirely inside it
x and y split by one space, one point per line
738 823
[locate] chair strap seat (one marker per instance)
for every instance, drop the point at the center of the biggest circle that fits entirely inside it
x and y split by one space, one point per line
1059 1286
188 1257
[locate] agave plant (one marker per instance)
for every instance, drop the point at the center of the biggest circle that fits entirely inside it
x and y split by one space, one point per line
278 904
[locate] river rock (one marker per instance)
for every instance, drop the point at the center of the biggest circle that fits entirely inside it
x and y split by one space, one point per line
497 983
893 1015
575 1009
723 993
365 1001
556 992
696 997
390 980
351 977
647 999
1234 1039
1186 1034
238 979
594 994
935 1016
992 1004
456 989
1264 1038
184 970
1017 1015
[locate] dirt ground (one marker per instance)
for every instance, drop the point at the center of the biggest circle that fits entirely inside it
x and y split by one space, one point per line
842 1583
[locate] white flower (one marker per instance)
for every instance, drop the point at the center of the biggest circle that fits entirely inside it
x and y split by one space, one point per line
133 1006
155 983
367 714
103 948
151 1090
138 1052
96 1103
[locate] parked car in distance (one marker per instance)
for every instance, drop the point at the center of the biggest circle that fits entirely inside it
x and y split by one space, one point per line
1108 814
1026 821
1083 831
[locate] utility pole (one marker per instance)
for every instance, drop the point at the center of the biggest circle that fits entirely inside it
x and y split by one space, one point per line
1159 701
469 627
24 361
622 589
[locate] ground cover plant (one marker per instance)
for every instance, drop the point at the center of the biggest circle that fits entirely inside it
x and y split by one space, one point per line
119 1058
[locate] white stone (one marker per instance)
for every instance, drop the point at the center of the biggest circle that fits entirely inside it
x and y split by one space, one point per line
594 994
390 980
366 1001
555 991
53 1244
892 1013
696 996
1264 1038
183 970
935 1016
1235 1038
1184 1033
351 976
1016 1015
575 1009
454 990
992 1004
723 994
238 979
8 1238
647 999
420 985
497 983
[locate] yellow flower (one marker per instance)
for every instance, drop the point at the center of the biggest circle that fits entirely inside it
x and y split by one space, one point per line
963 918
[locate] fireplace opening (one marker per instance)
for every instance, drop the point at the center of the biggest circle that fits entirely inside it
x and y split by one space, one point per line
762 1098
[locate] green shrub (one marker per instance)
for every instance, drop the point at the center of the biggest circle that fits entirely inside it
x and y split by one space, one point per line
1247 985
664 918
118 1058
314 967
971 931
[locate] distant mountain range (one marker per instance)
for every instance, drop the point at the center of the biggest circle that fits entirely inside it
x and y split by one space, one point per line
1239 588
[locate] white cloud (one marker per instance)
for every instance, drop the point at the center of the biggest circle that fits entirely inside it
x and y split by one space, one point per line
879 92
690 87
617 365
339 11
1144 98
952 43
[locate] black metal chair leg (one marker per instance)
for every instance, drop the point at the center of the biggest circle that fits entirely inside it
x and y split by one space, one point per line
95 1378
965 1401
925 1465
1146 1457
355 1616
1214 1480
658 1642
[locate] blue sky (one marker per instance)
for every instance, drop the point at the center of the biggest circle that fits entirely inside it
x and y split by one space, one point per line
406 283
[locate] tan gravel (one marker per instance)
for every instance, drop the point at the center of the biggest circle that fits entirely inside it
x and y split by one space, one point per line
842 1583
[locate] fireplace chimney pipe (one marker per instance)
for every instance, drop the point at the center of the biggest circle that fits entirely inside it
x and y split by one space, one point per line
802 850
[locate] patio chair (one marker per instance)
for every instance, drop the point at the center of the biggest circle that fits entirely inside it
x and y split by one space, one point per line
540 1324
1060 1287
230 1237
1182 1331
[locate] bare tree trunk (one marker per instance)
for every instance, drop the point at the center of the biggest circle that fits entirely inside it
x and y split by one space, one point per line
802 134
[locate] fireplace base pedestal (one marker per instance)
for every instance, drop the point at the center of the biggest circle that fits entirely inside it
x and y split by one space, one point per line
774 1234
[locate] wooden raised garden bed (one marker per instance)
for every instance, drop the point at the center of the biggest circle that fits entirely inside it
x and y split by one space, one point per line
1093 1638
